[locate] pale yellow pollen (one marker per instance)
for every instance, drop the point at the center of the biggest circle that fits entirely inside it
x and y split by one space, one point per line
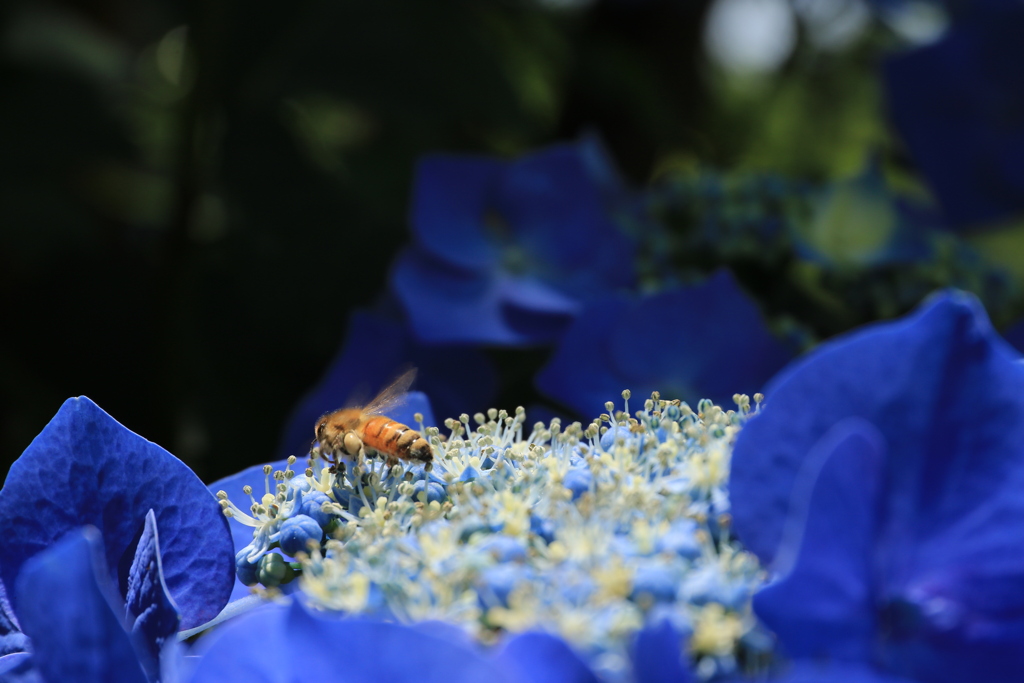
614 582
715 631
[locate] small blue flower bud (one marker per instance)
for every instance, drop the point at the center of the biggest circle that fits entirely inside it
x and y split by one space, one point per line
300 484
245 570
617 432
497 582
681 538
504 548
657 582
578 480
297 532
435 492
311 504
709 584
543 528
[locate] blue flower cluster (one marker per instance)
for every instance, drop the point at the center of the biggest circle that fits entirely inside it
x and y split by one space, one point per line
862 523
590 533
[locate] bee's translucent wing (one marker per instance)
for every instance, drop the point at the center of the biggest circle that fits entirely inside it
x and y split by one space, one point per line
392 395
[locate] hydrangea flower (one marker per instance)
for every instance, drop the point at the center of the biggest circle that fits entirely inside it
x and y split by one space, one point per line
957 105
376 348
882 484
704 341
86 469
506 252
590 533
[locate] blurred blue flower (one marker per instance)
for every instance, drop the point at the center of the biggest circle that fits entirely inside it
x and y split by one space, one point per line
377 347
506 252
959 106
882 482
705 341
86 469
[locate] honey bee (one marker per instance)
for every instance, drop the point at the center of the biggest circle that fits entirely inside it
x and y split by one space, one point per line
347 430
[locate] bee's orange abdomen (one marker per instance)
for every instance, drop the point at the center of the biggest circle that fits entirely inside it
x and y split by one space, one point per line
394 439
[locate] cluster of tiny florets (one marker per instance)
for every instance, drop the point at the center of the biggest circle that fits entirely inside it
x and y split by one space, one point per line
590 532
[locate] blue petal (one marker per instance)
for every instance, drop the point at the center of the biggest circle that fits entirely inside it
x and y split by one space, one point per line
85 468
818 672
541 658
710 337
530 296
559 205
1015 335
905 377
380 652
67 605
12 640
451 198
579 374
254 648
707 341
17 668
448 306
822 608
657 655
148 602
944 391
